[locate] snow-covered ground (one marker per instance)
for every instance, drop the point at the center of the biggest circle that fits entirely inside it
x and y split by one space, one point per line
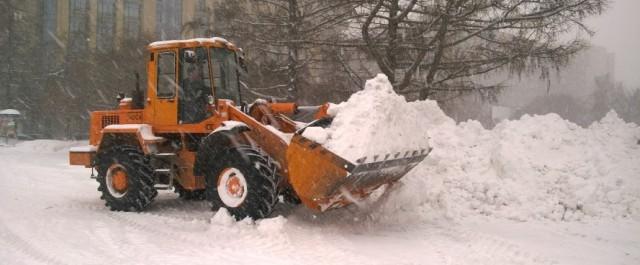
538 190
50 213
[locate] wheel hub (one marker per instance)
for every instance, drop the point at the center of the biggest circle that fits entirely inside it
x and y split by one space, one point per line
120 181
232 187
117 180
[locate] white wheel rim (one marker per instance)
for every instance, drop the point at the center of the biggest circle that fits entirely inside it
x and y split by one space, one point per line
232 187
109 179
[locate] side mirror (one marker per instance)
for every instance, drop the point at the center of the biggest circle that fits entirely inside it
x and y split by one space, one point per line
243 64
137 95
120 96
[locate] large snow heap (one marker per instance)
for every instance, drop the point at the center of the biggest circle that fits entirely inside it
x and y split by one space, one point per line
374 121
537 167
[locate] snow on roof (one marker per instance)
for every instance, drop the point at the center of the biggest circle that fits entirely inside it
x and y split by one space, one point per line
9 112
159 44
223 40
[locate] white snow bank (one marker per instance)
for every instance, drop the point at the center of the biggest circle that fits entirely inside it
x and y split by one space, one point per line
538 167
374 121
47 146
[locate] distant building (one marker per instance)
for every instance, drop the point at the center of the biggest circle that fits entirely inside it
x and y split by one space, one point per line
104 25
74 55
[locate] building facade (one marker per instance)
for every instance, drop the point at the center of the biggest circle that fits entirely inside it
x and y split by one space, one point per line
106 25
74 56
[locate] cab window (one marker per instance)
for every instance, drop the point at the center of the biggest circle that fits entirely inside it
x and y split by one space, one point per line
225 74
195 85
166 87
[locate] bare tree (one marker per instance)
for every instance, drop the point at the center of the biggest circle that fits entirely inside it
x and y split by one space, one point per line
428 46
288 35
7 45
20 71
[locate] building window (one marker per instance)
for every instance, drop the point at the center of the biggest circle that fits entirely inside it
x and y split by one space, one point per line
78 25
49 23
106 25
168 19
132 19
49 20
201 19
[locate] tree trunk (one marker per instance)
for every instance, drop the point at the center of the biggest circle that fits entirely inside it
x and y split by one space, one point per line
393 41
292 48
9 85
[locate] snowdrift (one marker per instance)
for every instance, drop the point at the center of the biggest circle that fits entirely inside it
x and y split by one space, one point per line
46 146
537 167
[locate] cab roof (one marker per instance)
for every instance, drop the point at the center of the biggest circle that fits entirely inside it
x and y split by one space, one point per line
214 42
9 112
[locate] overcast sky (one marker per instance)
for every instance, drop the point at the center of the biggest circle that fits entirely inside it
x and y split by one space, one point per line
618 30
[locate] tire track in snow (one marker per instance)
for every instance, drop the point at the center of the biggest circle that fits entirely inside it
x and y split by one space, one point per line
201 233
481 248
155 211
119 244
251 241
444 242
115 245
132 220
359 234
183 209
22 245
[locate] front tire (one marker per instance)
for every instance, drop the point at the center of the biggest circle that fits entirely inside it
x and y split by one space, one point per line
243 180
125 179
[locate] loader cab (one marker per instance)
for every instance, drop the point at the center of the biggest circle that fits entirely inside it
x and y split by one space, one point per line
186 77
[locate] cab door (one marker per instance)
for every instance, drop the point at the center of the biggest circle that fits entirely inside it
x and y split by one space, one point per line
166 103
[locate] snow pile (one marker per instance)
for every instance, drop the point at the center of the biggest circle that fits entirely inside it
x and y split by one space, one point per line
222 217
373 121
538 167
47 146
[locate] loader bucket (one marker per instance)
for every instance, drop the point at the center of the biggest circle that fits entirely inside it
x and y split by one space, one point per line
324 180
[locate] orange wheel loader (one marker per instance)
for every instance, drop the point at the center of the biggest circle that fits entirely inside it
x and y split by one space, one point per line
191 133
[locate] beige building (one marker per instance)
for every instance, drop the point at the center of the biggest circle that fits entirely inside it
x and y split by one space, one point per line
104 25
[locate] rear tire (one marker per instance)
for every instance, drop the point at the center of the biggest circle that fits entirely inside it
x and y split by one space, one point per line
243 180
125 179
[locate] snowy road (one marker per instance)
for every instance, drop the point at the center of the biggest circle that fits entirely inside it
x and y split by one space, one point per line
50 213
